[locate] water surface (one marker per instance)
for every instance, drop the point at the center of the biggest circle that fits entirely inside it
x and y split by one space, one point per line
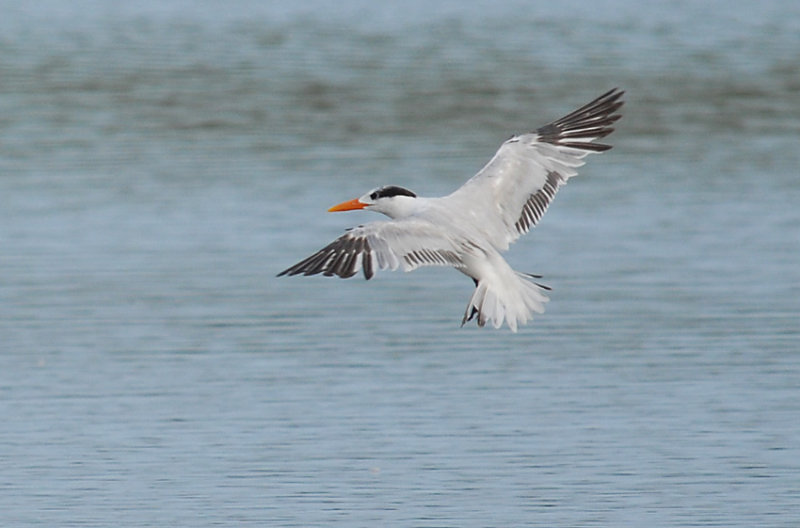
161 162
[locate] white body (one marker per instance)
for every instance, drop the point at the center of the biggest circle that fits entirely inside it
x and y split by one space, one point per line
469 228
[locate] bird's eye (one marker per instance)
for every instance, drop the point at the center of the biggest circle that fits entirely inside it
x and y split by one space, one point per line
373 196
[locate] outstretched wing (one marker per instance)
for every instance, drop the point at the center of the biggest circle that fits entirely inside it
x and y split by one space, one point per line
408 243
512 192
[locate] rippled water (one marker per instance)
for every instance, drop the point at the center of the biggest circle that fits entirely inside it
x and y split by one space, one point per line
161 162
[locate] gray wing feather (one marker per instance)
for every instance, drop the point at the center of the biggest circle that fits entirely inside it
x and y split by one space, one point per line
518 184
408 243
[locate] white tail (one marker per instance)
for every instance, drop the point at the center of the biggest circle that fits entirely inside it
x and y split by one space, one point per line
512 297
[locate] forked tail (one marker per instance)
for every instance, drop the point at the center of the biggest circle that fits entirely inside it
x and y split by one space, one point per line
514 300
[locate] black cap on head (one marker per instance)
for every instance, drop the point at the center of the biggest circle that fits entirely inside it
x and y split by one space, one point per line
389 191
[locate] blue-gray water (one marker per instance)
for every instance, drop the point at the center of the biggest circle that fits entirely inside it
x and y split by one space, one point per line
160 162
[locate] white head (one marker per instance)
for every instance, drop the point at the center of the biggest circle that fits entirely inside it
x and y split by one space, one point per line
393 201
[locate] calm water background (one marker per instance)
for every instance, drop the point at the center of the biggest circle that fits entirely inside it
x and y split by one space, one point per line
160 162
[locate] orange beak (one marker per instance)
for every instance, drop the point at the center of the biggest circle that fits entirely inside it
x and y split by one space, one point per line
349 205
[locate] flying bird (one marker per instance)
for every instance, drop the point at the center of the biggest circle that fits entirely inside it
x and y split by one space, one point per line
469 228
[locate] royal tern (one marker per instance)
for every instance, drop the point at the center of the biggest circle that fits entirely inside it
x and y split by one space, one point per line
469 228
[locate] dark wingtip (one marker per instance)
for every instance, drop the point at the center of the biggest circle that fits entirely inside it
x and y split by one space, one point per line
591 121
